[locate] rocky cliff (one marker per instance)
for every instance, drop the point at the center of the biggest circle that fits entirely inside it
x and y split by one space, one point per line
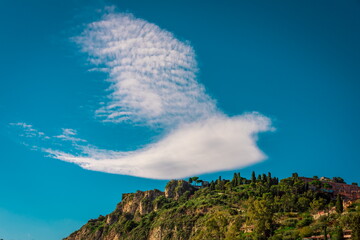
135 208
262 208
177 188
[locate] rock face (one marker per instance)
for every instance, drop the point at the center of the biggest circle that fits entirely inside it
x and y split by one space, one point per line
132 211
177 188
139 203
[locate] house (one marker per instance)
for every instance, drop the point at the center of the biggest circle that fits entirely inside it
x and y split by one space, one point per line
347 191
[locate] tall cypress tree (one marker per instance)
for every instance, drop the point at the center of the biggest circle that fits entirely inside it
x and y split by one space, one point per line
269 180
339 234
339 204
264 178
212 185
325 233
277 181
234 181
253 177
259 178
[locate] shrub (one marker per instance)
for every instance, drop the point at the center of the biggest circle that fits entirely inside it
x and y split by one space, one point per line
291 222
306 232
306 221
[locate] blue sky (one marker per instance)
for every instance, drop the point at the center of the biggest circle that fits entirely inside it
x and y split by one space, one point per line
295 63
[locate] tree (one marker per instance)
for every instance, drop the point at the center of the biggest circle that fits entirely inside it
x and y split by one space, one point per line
212 185
235 180
194 179
324 222
220 185
264 178
190 180
339 234
339 204
325 232
327 186
238 179
276 181
261 214
338 180
269 180
259 178
317 205
253 177
316 183
303 204
288 202
306 187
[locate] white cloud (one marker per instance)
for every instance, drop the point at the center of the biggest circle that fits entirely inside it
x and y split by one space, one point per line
153 82
152 74
28 130
216 144
69 131
69 135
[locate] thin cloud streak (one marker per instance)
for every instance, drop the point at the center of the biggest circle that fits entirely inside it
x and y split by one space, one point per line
69 134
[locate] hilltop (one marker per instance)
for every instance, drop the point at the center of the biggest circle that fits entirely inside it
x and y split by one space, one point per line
262 207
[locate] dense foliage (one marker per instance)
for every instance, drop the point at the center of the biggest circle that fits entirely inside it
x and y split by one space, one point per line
258 208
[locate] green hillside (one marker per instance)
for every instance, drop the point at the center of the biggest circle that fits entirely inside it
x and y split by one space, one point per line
258 208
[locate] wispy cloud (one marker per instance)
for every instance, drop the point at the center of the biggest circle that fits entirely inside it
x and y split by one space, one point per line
69 135
28 131
153 82
152 74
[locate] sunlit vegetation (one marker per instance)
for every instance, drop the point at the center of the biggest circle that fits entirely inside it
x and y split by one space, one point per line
261 207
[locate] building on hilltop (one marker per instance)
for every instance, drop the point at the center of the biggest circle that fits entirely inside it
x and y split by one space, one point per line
347 191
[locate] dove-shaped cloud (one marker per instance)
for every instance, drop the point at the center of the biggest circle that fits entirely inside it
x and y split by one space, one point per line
153 80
